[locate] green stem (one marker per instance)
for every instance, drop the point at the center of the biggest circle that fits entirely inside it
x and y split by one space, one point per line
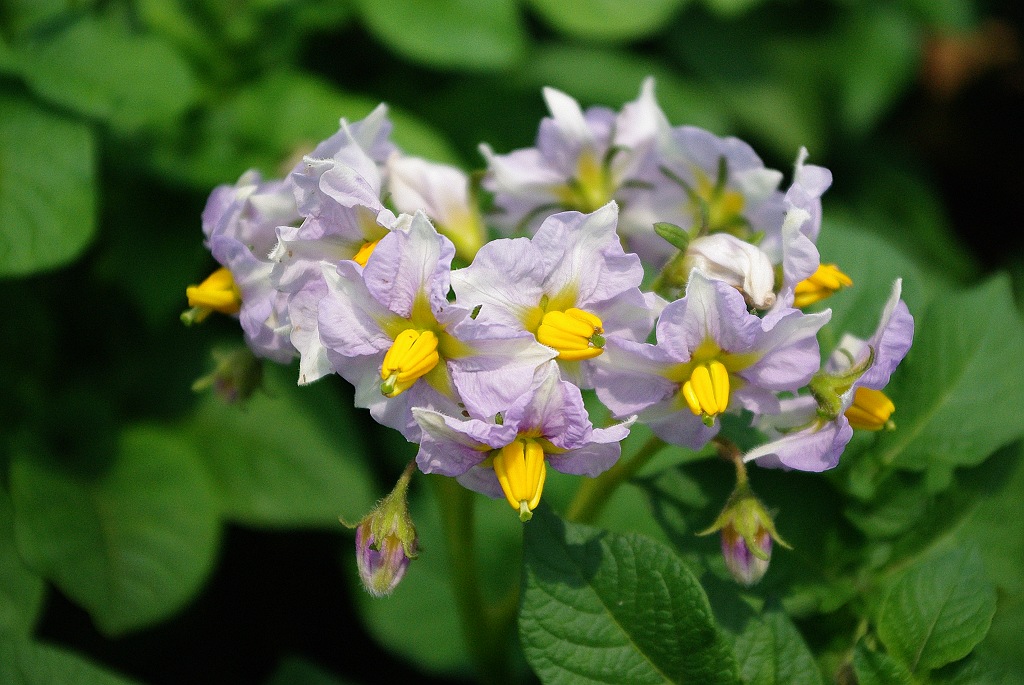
594 493
486 630
728 451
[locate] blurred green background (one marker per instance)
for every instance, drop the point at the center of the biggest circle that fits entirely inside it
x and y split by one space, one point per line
117 118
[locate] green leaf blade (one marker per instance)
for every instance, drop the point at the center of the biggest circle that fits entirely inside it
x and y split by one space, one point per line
938 611
34 663
771 651
602 20
99 68
475 35
47 188
21 590
968 350
878 668
601 607
133 544
272 463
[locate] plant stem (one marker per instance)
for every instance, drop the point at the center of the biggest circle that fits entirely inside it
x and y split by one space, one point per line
486 629
594 493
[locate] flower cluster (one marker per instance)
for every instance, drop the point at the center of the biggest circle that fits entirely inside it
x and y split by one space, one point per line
660 266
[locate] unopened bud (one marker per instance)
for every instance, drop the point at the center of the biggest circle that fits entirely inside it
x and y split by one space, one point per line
386 540
747 534
237 375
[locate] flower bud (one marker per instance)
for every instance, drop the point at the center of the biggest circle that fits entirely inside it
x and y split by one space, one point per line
237 375
747 534
386 540
740 264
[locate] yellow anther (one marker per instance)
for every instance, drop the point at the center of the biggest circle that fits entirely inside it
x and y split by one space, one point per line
364 253
412 355
218 293
870 410
707 391
824 282
576 334
521 471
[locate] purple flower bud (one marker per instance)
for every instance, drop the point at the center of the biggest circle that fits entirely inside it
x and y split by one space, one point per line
386 540
746 566
238 374
747 534
382 562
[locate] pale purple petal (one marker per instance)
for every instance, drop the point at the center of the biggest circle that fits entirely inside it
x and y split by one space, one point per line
408 264
591 261
498 367
504 280
483 480
303 308
451 446
790 350
891 341
630 376
555 410
677 425
710 310
350 320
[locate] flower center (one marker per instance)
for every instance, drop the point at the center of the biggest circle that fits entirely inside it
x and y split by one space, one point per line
576 334
707 391
412 355
824 282
365 251
521 471
717 208
218 293
591 189
871 410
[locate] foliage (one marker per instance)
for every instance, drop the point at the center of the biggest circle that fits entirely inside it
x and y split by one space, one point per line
120 491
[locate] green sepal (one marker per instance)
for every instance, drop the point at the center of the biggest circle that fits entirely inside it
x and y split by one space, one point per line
675 235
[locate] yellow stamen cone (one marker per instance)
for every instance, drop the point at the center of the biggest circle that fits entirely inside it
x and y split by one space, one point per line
871 410
707 391
364 253
521 471
824 282
218 293
576 334
412 355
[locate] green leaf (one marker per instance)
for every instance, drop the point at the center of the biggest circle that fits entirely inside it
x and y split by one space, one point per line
878 668
34 663
21 590
23 16
601 607
47 204
994 523
132 544
876 59
938 611
888 195
873 263
974 670
270 123
101 69
771 651
452 34
296 671
968 349
1002 644
289 457
607 20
